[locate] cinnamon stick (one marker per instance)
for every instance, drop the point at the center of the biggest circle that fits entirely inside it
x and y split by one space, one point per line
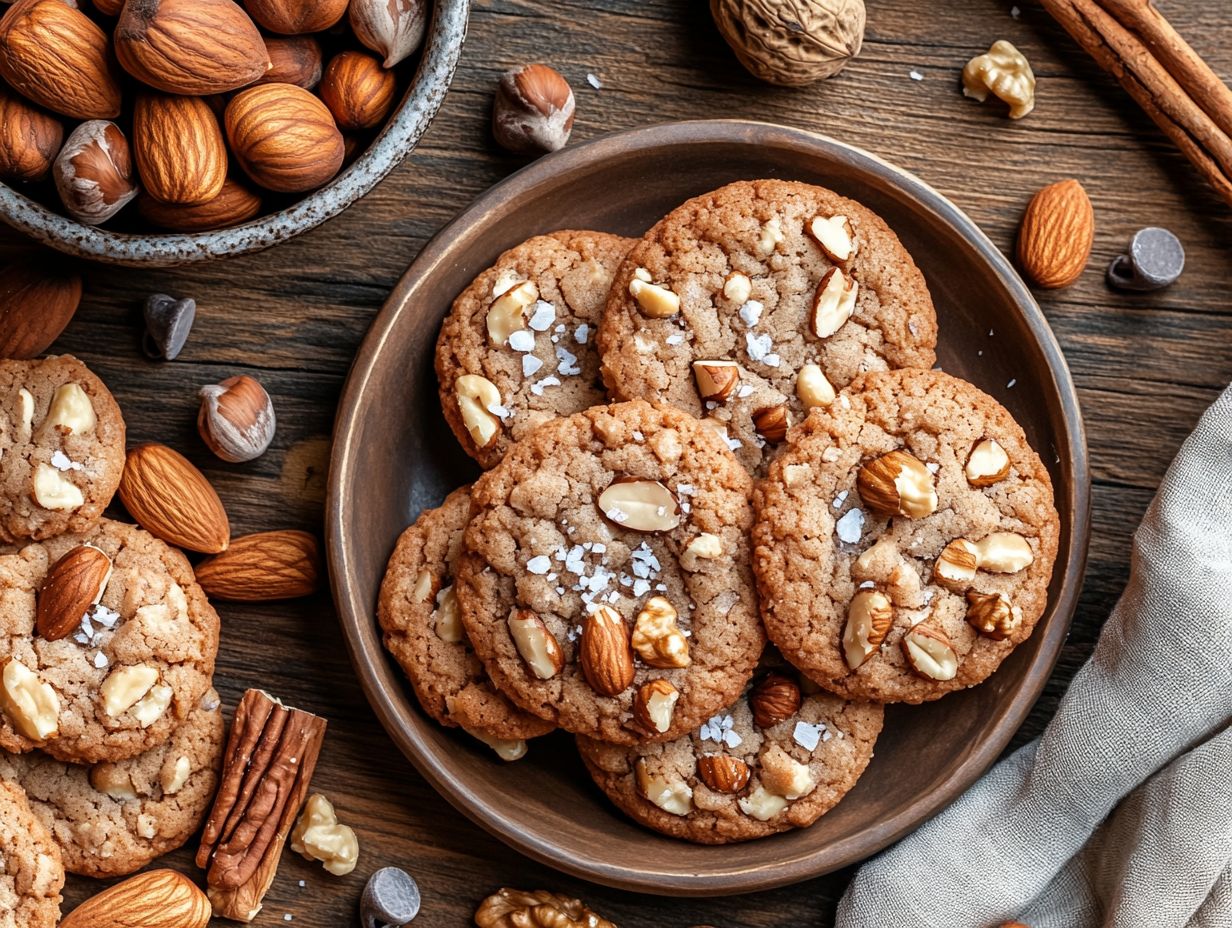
1123 54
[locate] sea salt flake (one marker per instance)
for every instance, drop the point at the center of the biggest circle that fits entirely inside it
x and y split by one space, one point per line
674 339
807 735
61 461
581 334
641 587
1010 385
868 585
638 436
530 364
751 312
932 467
1015 12
840 499
568 362
522 340
501 412
100 660
594 82
539 386
758 345
731 739
745 391
105 617
543 314
915 75
539 564
850 527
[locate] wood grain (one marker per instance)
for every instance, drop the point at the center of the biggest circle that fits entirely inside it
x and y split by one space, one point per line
1146 365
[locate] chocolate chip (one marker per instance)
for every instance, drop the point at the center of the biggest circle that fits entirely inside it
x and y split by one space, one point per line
390 900
1155 259
167 324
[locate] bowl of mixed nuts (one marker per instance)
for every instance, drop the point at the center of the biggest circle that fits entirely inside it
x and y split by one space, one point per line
165 132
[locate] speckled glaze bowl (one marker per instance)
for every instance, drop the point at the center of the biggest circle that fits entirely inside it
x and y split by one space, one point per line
439 57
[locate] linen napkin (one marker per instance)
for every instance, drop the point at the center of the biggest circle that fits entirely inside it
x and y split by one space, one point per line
1120 814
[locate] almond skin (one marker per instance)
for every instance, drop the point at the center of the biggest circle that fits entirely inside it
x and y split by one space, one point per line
37 300
265 566
296 17
1057 232
56 56
357 90
72 586
775 698
606 655
723 773
234 204
293 60
180 151
284 138
172 500
155 899
29 139
191 47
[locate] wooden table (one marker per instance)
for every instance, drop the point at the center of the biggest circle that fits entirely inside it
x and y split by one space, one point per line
1146 365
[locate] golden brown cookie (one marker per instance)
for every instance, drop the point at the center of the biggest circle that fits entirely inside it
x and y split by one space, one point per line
31 875
749 304
605 580
905 539
518 347
418 611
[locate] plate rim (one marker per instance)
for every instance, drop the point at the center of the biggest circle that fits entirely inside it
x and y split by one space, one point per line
354 613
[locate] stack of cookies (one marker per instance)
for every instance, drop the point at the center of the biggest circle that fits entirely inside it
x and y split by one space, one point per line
110 733
729 510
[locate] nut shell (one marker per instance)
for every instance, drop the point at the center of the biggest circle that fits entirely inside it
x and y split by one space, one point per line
296 17
29 139
53 54
172 500
192 47
1057 232
284 138
293 60
234 204
180 151
262 567
37 300
155 899
391 28
357 90
791 42
94 172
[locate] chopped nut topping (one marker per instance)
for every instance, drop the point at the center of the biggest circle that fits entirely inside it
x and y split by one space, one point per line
507 314
772 423
476 397
657 638
72 410
507 749
31 703
674 797
1004 553
654 704
869 618
716 380
987 464
897 484
737 288
705 547
992 615
835 236
655 301
956 565
447 617
536 644
423 588
813 387
175 776
723 773
774 698
125 686
640 505
52 490
762 804
834 302
929 652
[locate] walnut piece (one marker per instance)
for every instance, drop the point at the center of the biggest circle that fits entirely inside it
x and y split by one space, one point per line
1005 71
516 908
320 836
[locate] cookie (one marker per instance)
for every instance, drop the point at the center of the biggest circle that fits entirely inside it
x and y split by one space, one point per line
61 448
418 612
905 539
777 759
31 874
114 818
604 580
518 347
734 308
127 674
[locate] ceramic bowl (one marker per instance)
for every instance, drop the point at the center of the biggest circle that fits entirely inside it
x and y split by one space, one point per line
393 456
438 59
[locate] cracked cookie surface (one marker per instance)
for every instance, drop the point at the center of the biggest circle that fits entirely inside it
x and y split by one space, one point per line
31 874
818 545
418 612
114 818
152 639
761 320
729 780
61 448
540 550
527 325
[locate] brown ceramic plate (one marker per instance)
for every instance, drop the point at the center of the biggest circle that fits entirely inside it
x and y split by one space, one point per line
393 456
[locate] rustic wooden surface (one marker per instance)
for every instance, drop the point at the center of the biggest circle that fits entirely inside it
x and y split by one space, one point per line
1146 365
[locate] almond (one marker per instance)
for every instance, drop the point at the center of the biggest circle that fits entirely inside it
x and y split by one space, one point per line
723 773
74 584
155 899
773 699
29 139
606 656
293 60
296 17
37 300
1057 232
266 566
284 138
192 47
234 204
56 56
180 152
172 500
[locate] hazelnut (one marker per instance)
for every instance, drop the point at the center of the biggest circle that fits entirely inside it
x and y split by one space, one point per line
834 302
284 138
869 618
773 699
653 706
391 28
357 90
293 60
738 288
897 484
813 388
532 113
94 172
296 17
723 773
716 380
771 423
992 615
29 140
236 420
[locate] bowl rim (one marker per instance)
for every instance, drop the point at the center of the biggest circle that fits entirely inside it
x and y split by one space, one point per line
394 707
442 50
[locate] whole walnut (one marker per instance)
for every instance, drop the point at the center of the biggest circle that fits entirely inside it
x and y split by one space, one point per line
516 908
791 42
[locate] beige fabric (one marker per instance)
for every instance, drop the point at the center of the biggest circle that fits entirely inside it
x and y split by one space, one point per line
1120 815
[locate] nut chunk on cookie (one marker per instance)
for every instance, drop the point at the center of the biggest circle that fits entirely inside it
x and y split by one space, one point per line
418 611
518 347
604 580
905 540
750 304
61 448
778 758
31 875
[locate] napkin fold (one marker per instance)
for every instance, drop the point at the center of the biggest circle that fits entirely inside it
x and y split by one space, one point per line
1120 814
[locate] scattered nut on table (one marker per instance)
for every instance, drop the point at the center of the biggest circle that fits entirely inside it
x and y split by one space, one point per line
236 420
791 42
532 113
1004 71
1056 235
320 836
516 908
